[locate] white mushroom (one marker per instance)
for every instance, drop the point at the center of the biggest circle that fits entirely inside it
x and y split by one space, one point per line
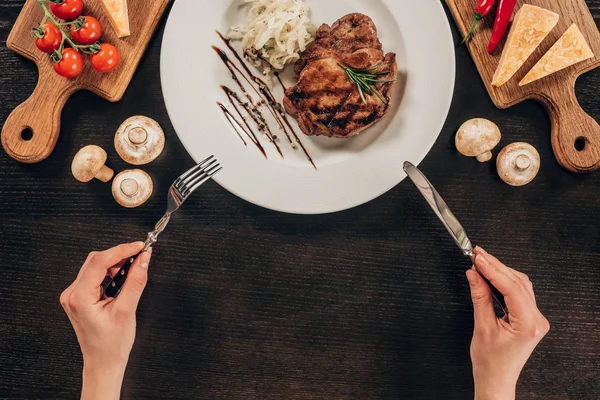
88 164
139 140
518 163
477 137
131 188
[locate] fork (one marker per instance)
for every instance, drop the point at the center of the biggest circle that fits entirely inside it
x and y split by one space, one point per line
179 191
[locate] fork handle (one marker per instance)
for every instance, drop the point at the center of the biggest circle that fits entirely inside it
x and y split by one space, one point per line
114 286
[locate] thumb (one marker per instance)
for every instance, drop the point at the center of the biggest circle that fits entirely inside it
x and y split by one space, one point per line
483 308
136 282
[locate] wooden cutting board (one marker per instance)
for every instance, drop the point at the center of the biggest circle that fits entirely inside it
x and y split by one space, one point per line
575 135
30 132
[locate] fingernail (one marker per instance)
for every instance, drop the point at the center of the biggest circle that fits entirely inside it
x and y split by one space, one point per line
472 277
145 259
138 243
479 250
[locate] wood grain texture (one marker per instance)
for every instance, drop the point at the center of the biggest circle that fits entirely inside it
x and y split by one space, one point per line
41 112
245 303
570 123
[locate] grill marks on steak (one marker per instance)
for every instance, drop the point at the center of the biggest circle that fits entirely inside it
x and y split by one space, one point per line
325 101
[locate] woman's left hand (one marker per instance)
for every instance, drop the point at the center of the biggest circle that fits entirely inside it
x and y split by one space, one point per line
105 328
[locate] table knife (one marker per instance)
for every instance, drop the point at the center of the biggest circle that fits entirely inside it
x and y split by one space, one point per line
454 228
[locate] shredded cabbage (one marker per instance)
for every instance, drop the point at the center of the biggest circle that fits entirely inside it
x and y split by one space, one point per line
275 34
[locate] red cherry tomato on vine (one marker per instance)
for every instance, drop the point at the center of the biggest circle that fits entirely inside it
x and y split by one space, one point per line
68 10
89 33
70 65
107 59
51 40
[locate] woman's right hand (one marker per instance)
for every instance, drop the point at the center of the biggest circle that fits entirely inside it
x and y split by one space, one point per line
501 347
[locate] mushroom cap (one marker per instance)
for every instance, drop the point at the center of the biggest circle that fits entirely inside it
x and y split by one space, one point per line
132 187
518 163
139 140
477 136
88 162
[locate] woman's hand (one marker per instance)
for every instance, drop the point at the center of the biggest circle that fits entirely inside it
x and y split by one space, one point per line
500 348
105 328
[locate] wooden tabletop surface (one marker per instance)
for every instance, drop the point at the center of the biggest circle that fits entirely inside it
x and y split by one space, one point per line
247 303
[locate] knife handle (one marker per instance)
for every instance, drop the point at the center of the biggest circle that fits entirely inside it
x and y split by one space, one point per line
497 297
113 286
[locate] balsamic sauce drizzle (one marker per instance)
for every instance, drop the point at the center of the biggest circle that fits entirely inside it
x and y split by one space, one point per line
249 132
256 117
279 79
272 106
230 117
232 68
266 96
253 111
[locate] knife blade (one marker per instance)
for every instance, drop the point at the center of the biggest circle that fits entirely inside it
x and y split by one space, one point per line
453 226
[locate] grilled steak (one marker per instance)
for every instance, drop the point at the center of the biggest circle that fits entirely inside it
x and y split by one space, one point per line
325 101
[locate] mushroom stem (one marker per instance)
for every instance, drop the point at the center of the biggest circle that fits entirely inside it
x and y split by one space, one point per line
522 162
129 187
105 174
484 157
138 136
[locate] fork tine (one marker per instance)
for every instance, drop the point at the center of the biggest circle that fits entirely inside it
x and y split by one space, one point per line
207 177
192 173
192 170
189 172
204 173
186 182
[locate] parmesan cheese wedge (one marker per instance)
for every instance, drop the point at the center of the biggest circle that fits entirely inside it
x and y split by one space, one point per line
570 49
118 15
530 27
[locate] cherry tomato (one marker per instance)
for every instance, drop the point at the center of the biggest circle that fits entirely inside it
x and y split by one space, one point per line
68 10
51 40
89 33
107 59
70 65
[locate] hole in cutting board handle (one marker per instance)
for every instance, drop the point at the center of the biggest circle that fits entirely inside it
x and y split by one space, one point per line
27 134
580 143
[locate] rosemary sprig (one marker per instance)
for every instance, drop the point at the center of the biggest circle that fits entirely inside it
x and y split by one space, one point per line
366 80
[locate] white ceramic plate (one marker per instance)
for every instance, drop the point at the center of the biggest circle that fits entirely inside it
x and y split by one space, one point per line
350 171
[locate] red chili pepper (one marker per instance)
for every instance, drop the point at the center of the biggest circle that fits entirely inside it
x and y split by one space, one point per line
503 15
482 9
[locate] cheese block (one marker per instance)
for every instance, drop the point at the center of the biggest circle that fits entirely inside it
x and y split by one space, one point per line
570 49
118 15
530 27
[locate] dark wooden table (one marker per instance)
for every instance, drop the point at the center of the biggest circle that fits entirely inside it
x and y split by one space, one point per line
247 303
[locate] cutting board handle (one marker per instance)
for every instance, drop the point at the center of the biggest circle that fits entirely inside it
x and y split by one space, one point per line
575 135
30 132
